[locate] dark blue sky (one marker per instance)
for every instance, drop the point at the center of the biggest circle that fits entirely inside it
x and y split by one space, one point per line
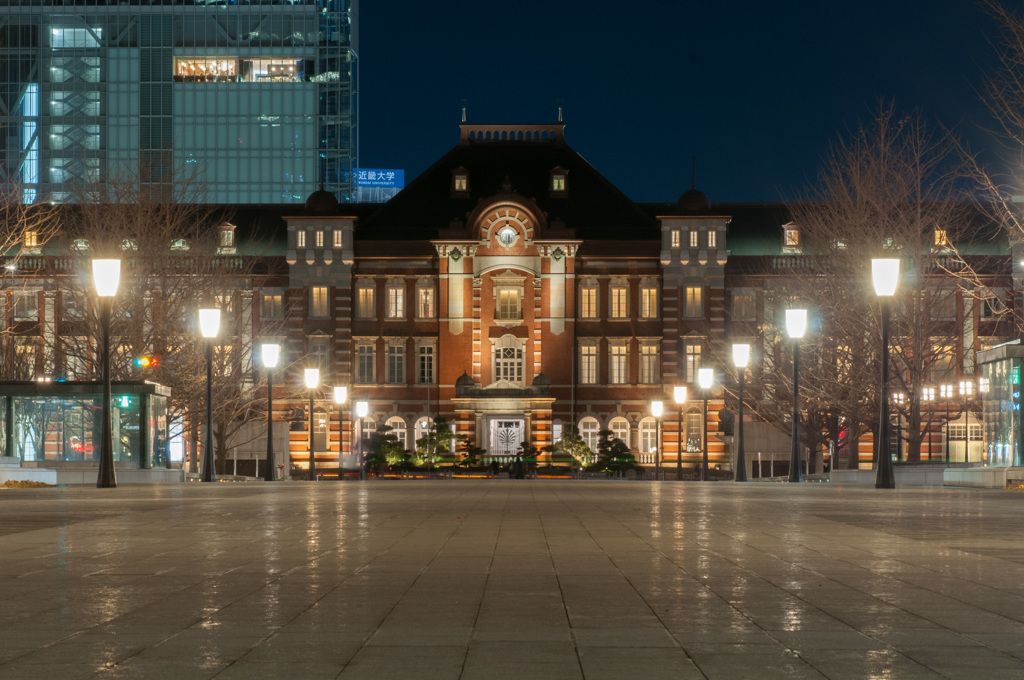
755 90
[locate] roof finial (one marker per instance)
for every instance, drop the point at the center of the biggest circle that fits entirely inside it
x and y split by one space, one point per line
463 115
559 114
693 172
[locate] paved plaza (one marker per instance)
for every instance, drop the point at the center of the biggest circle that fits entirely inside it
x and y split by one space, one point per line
507 578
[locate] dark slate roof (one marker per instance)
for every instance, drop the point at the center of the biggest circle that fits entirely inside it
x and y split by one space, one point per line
593 206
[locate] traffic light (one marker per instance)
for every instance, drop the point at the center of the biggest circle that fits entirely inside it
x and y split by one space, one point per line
146 362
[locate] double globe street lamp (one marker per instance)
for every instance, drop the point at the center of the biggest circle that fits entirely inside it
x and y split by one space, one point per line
885 274
106 273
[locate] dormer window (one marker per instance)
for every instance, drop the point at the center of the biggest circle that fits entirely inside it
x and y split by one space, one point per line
694 238
460 181
226 238
300 239
31 239
712 239
941 238
790 239
559 181
675 238
319 237
179 244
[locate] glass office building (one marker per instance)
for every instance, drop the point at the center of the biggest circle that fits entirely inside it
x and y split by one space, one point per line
257 98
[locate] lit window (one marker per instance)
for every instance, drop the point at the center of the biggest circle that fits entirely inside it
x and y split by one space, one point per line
941 238
365 303
26 306
693 353
618 366
396 363
318 301
31 239
508 304
558 182
649 363
365 364
712 239
694 302
648 435
618 308
648 301
508 360
396 299
694 238
271 307
589 429
337 238
743 306
397 429
425 303
620 429
792 238
588 300
319 238
588 364
227 238
300 239
61 38
461 182
675 238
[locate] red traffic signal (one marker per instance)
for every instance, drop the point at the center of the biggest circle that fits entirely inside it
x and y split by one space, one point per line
147 362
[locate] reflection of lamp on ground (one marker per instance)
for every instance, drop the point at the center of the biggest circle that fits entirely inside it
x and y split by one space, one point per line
657 408
209 326
271 353
105 275
362 408
705 377
679 392
796 325
885 275
740 357
340 397
312 381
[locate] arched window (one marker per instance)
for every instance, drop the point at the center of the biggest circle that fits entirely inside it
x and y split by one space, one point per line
398 429
589 427
620 429
508 359
367 427
648 435
423 426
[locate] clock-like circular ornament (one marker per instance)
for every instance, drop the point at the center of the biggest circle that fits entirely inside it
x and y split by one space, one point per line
507 235
506 224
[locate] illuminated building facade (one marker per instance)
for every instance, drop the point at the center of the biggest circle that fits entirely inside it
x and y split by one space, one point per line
248 96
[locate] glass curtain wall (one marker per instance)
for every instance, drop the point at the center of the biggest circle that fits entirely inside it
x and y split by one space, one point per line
255 99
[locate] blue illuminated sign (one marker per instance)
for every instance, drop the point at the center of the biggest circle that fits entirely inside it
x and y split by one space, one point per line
366 177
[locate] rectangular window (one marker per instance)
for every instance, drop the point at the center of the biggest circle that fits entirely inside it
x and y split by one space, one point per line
941 362
588 364
319 234
365 365
743 306
337 238
675 238
508 304
694 238
712 239
300 239
618 365
648 302
319 355
792 237
396 302
73 308
693 353
648 363
365 304
694 302
508 364
26 306
941 238
618 309
588 302
425 365
396 364
318 306
31 239
558 182
425 303
461 183
271 307
227 238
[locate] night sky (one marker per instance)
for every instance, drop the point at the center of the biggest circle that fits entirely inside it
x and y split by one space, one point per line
755 90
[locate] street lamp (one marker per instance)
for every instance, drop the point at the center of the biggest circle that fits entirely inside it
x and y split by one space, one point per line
928 397
362 408
340 397
271 353
740 357
680 396
209 326
796 326
657 408
705 377
966 392
105 276
312 380
885 274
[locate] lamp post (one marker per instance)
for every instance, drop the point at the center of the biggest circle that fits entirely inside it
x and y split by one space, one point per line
362 408
105 276
705 377
209 326
680 396
271 353
796 326
928 396
312 380
740 357
885 273
340 397
947 395
966 391
657 408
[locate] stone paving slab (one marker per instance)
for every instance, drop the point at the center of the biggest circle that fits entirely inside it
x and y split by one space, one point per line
500 579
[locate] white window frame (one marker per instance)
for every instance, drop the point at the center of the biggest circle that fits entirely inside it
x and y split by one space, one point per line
366 305
426 300
693 302
618 362
508 354
648 429
588 363
588 299
648 300
399 429
394 293
620 429
426 355
618 300
366 363
650 356
319 302
693 359
396 362
590 429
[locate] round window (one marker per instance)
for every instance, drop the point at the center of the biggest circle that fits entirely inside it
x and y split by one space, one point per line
506 235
